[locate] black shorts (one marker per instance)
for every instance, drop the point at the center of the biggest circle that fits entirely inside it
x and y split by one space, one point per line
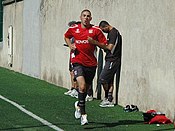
87 72
108 72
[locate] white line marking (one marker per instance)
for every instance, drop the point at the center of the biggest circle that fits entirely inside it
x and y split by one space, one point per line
32 115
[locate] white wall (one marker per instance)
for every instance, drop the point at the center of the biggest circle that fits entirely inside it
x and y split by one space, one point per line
13 16
32 38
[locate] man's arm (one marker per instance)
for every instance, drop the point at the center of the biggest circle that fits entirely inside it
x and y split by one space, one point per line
71 46
101 45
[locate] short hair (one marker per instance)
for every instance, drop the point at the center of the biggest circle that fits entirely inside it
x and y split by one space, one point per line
103 23
85 11
71 23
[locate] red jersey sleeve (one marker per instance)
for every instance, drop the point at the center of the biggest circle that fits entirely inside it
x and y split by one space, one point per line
101 37
68 33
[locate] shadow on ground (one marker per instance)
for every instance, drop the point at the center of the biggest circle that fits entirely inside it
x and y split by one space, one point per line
112 124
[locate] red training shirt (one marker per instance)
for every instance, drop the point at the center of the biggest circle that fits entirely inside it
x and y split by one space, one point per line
85 52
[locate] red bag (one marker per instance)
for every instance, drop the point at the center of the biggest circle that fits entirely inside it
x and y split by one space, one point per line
154 117
160 119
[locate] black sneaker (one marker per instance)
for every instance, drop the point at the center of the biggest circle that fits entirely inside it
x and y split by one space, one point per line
134 108
127 108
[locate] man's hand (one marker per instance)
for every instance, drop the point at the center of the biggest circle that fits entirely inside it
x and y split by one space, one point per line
91 40
72 47
101 45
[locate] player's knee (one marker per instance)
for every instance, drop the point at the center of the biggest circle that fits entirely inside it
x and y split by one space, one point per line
82 89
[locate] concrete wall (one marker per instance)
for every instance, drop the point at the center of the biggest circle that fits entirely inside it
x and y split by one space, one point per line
148 73
148 28
32 38
13 16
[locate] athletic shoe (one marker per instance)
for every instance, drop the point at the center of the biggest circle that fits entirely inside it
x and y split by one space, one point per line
134 108
131 108
84 120
68 92
77 111
89 98
106 103
127 108
76 96
74 93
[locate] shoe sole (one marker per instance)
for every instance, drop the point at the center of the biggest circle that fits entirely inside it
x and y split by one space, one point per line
67 93
89 100
106 105
85 124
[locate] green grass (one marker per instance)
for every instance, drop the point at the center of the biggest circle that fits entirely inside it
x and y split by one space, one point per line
49 102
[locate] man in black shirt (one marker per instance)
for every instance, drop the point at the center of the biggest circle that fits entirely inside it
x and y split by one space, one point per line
112 61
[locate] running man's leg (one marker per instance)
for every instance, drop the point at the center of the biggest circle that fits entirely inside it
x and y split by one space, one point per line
82 93
79 76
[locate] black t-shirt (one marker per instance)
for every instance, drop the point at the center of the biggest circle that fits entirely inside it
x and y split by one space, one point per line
115 38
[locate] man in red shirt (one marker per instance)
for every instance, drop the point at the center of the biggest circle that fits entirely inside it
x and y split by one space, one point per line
84 58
